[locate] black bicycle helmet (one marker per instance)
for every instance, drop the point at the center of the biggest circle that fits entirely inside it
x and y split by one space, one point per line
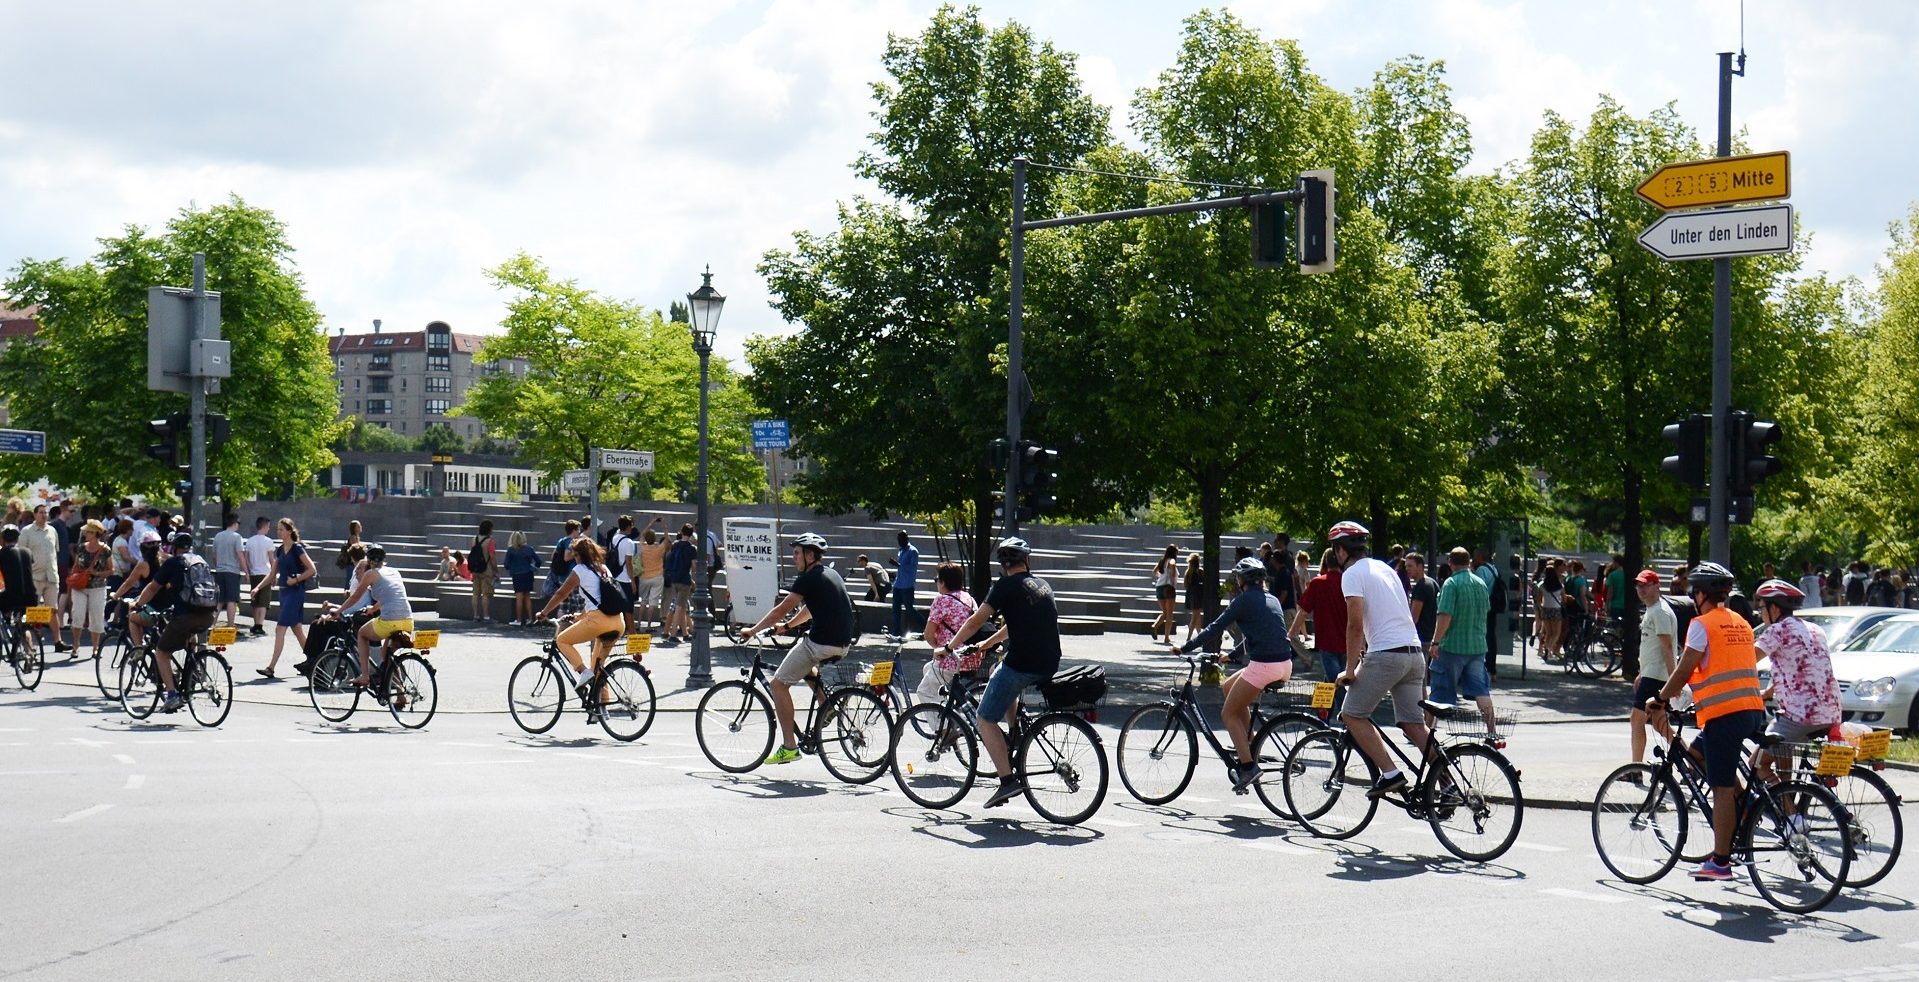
182 540
376 555
1711 579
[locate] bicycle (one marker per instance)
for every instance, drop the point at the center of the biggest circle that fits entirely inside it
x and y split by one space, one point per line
29 660
1874 828
935 756
113 654
202 677
1593 648
1790 836
402 680
1466 790
622 702
1158 751
848 726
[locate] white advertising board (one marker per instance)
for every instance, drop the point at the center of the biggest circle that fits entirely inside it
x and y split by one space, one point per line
752 570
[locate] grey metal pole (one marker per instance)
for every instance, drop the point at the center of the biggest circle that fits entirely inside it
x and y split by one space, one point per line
699 674
1719 547
197 388
593 493
1014 369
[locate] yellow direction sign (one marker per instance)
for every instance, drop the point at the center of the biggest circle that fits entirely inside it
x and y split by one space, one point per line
1720 181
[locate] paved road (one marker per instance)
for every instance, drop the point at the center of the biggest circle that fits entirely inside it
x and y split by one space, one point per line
278 845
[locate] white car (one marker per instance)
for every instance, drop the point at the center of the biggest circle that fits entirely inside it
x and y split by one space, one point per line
1842 624
1878 670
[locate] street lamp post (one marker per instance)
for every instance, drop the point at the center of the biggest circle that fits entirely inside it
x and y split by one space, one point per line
703 309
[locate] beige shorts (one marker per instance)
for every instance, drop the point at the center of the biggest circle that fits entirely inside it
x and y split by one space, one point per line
801 661
1400 673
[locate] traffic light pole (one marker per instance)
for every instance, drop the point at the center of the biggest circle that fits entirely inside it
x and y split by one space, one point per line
1719 543
197 410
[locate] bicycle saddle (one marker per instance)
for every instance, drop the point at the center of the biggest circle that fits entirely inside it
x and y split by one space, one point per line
1436 708
398 640
1769 739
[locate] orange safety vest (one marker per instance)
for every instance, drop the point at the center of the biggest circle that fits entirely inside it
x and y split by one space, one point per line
1727 679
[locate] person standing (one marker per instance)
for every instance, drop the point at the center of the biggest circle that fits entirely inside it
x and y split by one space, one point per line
42 545
1325 604
522 561
1496 606
1457 659
228 546
92 568
1195 615
294 572
677 570
257 563
1165 580
1812 585
481 563
57 517
908 572
651 557
619 562
1422 599
1879 591
1658 657
562 564
343 561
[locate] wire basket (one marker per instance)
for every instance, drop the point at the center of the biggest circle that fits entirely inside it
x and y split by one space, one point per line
844 673
1464 722
1294 695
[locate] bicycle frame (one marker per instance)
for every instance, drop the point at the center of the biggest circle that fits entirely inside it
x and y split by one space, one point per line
1186 704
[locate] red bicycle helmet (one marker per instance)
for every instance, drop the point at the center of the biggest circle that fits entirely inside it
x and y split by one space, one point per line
1781 593
1347 532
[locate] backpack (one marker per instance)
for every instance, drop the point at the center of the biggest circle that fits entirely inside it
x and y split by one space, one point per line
476 560
1498 593
197 589
613 600
1683 611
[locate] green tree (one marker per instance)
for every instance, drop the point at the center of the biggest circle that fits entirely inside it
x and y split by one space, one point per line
605 373
363 437
1876 488
439 438
82 379
897 381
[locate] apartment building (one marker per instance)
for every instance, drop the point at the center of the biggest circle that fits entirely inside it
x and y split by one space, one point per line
409 380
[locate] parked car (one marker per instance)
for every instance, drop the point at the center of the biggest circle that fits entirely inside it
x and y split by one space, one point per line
1878 670
1842 624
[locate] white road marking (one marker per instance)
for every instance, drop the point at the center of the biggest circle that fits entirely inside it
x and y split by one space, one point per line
82 813
1199 800
178 741
17 729
504 760
1910 944
308 740
20 744
123 758
1284 849
83 741
134 781
1582 895
1537 847
458 743
27 773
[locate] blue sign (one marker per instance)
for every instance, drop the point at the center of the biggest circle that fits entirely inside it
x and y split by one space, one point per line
34 441
771 434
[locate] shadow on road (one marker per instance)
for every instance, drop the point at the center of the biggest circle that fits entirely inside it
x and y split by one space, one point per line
86 704
972 832
1751 919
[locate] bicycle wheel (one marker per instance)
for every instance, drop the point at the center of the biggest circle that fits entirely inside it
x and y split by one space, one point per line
1597 656
1698 841
29 662
932 756
1271 746
1876 830
412 690
535 695
209 689
139 687
1064 768
1794 839
1157 753
855 734
626 701
1326 780
1476 814
735 726
331 687
1639 823
106 668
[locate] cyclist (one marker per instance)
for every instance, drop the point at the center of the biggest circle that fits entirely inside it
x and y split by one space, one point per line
1721 665
384 587
1269 659
823 592
168 587
1385 657
1803 687
1025 604
591 579
137 578
16 573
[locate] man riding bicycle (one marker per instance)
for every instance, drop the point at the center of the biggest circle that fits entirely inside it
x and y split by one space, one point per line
822 591
1720 664
384 587
1804 690
168 588
1269 659
1385 656
1025 604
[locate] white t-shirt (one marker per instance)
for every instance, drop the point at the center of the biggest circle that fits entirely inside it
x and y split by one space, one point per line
1658 620
590 584
1809 585
623 555
1389 621
260 553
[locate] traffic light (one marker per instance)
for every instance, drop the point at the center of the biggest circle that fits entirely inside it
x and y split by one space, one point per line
171 433
1690 436
1269 236
1036 479
217 432
1315 236
1748 439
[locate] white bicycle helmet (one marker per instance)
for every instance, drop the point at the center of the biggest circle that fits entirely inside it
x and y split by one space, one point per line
1249 569
1012 549
811 541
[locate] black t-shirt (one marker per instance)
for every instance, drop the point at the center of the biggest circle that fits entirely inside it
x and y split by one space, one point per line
1025 603
1426 593
172 578
16 567
824 594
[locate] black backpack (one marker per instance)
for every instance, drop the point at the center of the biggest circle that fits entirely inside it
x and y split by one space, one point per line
1498 597
196 587
613 600
476 561
1683 611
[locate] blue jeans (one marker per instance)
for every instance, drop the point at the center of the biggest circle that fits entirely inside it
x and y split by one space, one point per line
1002 690
902 608
1331 663
1454 677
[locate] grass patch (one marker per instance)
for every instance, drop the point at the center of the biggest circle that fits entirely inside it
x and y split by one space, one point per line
1904 749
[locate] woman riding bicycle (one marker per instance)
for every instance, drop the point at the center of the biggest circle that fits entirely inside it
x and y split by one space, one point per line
135 582
1270 659
386 589
1803 689
949 610
590 577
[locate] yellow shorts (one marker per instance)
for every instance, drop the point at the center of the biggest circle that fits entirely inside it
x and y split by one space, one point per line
384 629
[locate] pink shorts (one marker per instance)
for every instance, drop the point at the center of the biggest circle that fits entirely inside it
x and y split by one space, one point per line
1265 673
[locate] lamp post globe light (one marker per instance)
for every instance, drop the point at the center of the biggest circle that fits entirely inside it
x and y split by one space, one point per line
703 309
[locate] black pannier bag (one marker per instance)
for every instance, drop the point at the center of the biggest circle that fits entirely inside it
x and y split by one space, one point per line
1079 687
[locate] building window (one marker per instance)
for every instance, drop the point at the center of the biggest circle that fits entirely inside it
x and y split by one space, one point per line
379 407
401 426
382 425
388 340
356 405
383 360
438 341
356 385
439 363
402 383
438 407
439 383
381 384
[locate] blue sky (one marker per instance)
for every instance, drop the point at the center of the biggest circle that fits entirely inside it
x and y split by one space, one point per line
410 145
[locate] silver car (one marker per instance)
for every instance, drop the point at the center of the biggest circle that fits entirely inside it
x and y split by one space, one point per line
1842 624
1878 670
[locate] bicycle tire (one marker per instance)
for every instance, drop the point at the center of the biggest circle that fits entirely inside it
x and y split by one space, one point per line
1157 753
626 701
535 695
1063 766
734 726
29 663
411 691
106 667
1271 746
1597 657
209 689
855 735
1798 869
139 689
933 755
1876 830
1326 782
330 686
1470 815
1644 822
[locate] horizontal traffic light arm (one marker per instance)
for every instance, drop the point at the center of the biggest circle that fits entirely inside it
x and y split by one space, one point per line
1203 204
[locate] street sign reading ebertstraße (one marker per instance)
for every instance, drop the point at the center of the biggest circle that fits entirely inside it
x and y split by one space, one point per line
627 461
1718 234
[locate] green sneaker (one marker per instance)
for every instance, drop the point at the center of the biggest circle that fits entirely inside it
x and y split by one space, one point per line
782 755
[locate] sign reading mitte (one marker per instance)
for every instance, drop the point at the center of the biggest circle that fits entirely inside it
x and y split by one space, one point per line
1720 181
